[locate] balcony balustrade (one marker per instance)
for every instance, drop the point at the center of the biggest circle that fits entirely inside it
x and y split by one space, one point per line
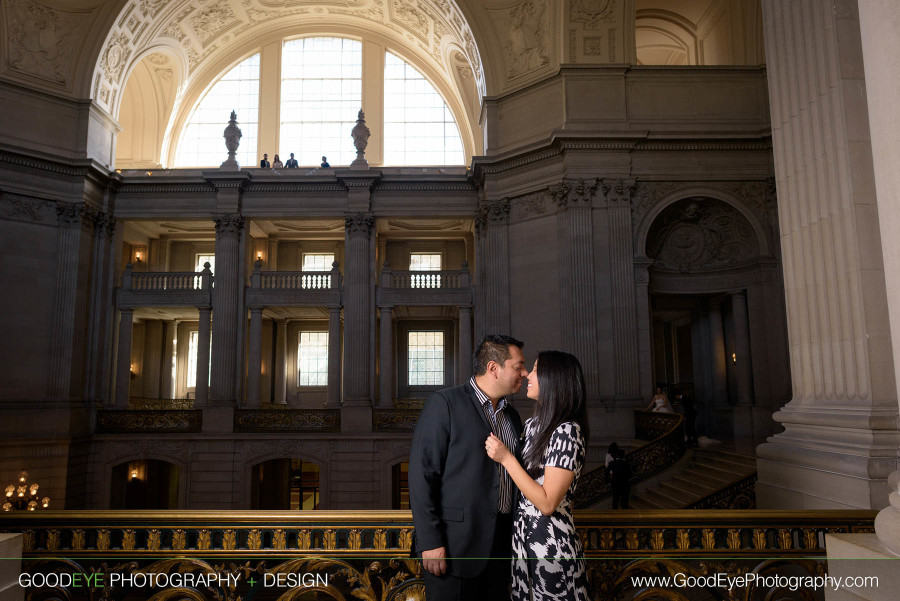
437 288
294 288
165 288
365 554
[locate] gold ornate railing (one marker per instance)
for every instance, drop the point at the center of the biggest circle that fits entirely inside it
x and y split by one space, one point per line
364 554
666 447
284 419
151 404
160 421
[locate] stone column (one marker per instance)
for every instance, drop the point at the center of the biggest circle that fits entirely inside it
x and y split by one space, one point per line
100 306
281 362
465 345
642 320
492 263
165 376
334 357
843 417
357 308
226 298
201 391
123 358
622 288
386 359
879 24
75 223
254 366
576 264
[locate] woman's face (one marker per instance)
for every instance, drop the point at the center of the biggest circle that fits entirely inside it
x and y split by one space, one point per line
659 391
533 390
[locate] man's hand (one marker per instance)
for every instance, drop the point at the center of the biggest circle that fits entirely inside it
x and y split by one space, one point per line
435 561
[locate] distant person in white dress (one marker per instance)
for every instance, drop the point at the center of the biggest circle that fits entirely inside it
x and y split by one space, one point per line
660 402
277 164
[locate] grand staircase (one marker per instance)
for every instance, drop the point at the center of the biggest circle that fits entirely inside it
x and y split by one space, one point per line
697 481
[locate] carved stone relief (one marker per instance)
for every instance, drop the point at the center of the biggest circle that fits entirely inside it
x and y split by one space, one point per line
210 21
533 204
21 208
700 234
527 43
592 12
42 40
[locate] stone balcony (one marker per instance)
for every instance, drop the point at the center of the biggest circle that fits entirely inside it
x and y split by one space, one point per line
294 288
425 288
174 288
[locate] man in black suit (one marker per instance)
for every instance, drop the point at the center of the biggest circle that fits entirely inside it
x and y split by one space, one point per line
264 162
291 162
461 500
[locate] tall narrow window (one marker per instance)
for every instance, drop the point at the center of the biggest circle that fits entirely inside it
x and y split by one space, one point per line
201 142
193 345
321 93
425 262
201 259
419 128
312 359
426 358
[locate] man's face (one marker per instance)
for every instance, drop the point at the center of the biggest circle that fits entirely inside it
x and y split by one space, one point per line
512 372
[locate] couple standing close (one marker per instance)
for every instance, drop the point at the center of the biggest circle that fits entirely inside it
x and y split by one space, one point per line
483 489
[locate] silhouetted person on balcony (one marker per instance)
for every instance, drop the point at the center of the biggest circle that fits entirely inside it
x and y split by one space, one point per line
324 162
620 480
291 162
264 163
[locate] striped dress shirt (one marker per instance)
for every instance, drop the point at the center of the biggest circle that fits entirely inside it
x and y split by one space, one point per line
502 429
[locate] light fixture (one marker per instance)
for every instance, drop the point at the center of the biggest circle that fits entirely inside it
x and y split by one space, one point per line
138 256
259 255
134 474
734 358
22 495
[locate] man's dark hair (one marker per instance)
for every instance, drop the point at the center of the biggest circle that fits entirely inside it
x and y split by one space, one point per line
493 347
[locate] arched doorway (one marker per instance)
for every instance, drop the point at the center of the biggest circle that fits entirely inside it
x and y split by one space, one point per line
286 483
144 484
713 294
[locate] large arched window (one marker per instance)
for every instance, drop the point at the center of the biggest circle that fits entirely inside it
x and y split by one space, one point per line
201 143
419 128
321 92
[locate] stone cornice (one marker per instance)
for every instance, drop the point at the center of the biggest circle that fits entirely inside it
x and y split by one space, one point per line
87 168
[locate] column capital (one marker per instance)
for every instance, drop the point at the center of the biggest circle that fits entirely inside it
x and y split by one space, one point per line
359 223
618 191
229 224
493 212
574 193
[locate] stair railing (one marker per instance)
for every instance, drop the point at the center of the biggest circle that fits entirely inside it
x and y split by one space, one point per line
666 448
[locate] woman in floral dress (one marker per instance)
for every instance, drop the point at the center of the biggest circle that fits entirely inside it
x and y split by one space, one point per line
548 561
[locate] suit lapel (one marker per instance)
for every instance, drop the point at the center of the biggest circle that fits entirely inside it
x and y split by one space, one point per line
476 406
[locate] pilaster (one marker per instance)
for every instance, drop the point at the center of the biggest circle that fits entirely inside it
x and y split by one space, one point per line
492 265
227 295
357 306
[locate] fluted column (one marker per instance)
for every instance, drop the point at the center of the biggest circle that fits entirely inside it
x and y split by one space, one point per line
281 362
357 307
75 224
622 290
201 391
843 416
123 358
334 357
99 306
492 260
386 359
574 200
226 297
254 364
465 345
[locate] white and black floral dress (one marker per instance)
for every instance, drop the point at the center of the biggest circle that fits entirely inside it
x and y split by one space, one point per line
548 562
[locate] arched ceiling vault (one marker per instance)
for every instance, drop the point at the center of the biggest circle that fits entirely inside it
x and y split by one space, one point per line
206 33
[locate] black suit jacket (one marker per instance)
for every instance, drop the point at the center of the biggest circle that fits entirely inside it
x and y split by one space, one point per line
454 486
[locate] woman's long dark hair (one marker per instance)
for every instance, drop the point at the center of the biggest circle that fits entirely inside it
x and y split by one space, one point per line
561 398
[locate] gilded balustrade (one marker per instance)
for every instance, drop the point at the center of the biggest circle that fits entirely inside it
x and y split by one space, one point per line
364 554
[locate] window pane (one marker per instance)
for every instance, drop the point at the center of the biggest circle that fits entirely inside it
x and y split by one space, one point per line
425 262
313 359
317 261
419 128
193 344
425 353
321 94
202 144
201 259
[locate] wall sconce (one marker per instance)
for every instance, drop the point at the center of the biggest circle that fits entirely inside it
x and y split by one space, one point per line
138 256
259 255
734 358
134 474
133 371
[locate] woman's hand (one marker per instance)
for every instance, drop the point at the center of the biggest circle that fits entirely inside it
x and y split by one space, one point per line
495 448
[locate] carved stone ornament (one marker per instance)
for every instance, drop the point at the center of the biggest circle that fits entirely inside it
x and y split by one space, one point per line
592 12
23 209
232 137
528 37
74 215
618 191
573 193
41 40
360 134
229 224
492 213
115 57
360 223
698 234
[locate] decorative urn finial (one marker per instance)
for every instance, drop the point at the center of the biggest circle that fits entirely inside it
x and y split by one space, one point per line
360 136
232 137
